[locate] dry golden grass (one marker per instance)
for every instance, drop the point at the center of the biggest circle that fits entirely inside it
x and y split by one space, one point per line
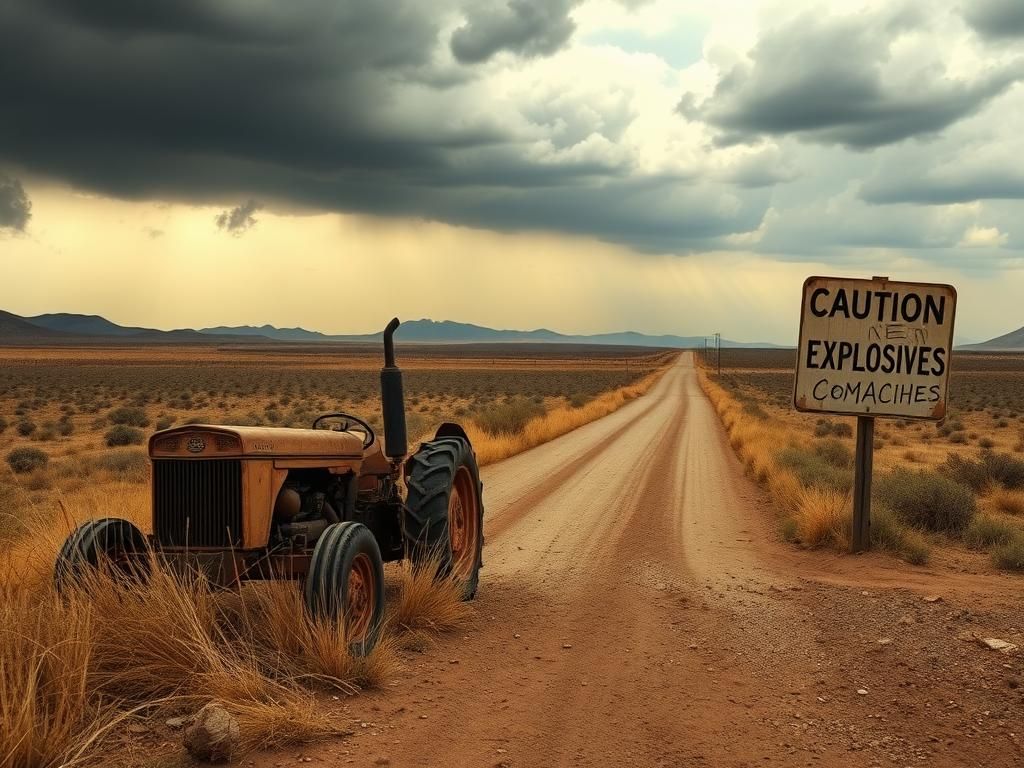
74 667
28 559
811 516
422 603
772 443
46 712
823 518
1005 500
298 647
555 422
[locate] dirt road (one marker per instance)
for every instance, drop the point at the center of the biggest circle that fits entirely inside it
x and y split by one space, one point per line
635 610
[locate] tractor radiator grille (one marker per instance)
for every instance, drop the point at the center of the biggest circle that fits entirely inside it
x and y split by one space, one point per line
197 503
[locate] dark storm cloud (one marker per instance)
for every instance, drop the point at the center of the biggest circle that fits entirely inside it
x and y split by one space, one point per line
826 80
929 188
326 104
525 27
239 219
996 18
15 207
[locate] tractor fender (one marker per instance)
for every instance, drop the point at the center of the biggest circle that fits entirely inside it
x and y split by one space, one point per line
449 429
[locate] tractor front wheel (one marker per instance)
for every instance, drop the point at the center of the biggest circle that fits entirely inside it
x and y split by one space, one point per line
346 582
109 543
445 511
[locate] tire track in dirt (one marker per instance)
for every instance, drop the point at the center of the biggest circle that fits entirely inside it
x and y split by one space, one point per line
512 512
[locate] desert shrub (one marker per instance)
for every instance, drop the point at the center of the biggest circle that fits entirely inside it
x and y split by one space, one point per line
1004 469
958 437
26 427
65 427
132 417
824 428
986 531
842 429
835 452
1010 556
966 471
886 530
989 468
164 422
122 434
47 432
888 533
578 400
986 442
814 471
508 417
3 425
125 464
927 500
22 460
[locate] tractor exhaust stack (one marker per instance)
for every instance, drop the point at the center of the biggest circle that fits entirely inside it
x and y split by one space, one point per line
392 399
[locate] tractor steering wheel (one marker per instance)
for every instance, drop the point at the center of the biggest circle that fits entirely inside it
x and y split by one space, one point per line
347 422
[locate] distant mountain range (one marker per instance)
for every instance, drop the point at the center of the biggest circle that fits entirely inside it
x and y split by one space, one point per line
449 332
1008 342
64 327
71 328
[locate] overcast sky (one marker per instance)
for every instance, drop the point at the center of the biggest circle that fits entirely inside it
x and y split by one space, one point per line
584 165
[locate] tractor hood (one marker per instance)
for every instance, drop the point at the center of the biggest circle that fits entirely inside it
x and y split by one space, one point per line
203 441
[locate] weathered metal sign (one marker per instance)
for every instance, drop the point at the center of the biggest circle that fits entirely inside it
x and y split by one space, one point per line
874 347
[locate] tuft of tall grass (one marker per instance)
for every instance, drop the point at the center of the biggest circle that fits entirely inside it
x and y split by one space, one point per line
1010 502
1010 556
823 517
424 603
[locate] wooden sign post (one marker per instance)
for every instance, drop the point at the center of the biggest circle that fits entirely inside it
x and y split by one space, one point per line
863 460
872 348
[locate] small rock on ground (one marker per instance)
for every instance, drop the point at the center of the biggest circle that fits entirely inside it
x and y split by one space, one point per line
213 734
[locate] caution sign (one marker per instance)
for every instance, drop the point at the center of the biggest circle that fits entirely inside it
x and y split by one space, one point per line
874 347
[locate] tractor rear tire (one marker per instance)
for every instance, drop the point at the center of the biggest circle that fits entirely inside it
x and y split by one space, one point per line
444 514
346 582
110 543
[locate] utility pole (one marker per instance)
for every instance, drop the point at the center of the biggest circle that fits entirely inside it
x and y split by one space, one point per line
718 351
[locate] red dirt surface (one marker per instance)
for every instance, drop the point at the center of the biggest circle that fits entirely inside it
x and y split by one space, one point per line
636 609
